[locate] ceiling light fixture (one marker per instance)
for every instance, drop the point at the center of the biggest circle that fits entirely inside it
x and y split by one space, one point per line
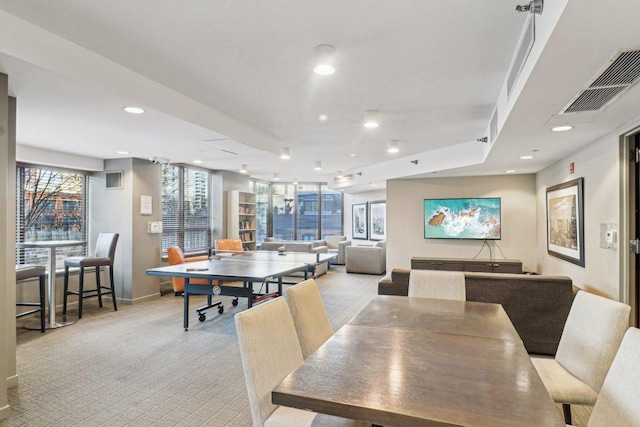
323 117
324 57
133 110
526 157
510 171
284 154
561 128
122 152
340 174
393 147
197 162
276 177
371 119
243 168
295 181
534 6
318 166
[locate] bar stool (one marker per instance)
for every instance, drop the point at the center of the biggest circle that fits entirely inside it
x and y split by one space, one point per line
28 271
103 257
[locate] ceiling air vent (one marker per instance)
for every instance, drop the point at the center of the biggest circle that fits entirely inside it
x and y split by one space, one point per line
114 180
525 44
618 75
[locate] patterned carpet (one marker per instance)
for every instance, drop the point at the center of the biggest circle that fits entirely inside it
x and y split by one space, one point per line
137 367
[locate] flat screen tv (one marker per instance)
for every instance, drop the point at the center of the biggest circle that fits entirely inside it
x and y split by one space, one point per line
467 218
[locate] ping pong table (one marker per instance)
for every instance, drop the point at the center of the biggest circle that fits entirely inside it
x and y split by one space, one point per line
249 268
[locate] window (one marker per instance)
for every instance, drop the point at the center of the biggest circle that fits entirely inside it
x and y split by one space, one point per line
261 189
299 212
185 209
50 205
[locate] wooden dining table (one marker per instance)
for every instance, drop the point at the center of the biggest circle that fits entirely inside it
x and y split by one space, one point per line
407 361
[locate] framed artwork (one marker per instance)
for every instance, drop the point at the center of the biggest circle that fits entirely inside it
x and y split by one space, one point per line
565 221
359 219
378 220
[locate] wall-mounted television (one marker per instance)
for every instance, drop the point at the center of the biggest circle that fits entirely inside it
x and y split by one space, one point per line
463 218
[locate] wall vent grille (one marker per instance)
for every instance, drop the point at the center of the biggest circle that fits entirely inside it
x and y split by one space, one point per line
618 75
525 44
114 180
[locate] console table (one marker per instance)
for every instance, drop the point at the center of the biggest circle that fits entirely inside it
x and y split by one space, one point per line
467 264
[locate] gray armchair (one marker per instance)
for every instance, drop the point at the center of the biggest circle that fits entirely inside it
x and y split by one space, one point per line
367 259
337 244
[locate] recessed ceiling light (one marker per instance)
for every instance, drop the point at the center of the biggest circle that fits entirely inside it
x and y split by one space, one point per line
323 117
510 171
197 161
133 110
393 147
373 184
243 168
318 166
526 157
122 152
295 181
352 154
561 128
284 154
276 177
371 119
324 60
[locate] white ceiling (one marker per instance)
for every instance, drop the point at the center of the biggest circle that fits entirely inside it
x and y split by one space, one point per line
238 76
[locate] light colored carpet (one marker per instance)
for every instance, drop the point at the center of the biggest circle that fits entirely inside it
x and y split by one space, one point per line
137 367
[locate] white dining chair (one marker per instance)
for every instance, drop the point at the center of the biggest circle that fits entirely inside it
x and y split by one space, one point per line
270 350
589 342
437 284
617 403
309 315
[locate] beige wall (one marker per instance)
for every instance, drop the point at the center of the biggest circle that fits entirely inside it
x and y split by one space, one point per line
599 165
7 275
405 224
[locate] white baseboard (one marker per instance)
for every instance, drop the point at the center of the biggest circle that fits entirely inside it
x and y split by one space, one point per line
5 411
12 381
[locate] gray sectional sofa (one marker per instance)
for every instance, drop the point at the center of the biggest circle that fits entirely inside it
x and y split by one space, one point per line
538 306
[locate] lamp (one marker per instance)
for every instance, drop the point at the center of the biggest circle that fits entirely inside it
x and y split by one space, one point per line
284 154
393 147
371 119
324 55
243 168
276 177
318 166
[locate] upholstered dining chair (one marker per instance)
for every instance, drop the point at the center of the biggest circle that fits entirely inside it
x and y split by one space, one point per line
103 257
590 339
28 271
270 351
228 246
309 315
175 257
437 284
617 403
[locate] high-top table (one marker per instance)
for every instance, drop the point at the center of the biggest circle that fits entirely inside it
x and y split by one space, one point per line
51 245
416 361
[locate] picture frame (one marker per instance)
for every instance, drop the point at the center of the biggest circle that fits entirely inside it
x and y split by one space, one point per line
565 221
359 220
378 220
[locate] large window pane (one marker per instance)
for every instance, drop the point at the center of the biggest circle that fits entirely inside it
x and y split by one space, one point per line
185 208
50 205
331 212
308 211
282 200
261 189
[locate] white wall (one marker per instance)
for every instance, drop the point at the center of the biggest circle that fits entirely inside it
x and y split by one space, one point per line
405 223
599 164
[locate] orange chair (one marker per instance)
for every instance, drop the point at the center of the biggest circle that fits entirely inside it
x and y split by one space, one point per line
176 256
228 246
